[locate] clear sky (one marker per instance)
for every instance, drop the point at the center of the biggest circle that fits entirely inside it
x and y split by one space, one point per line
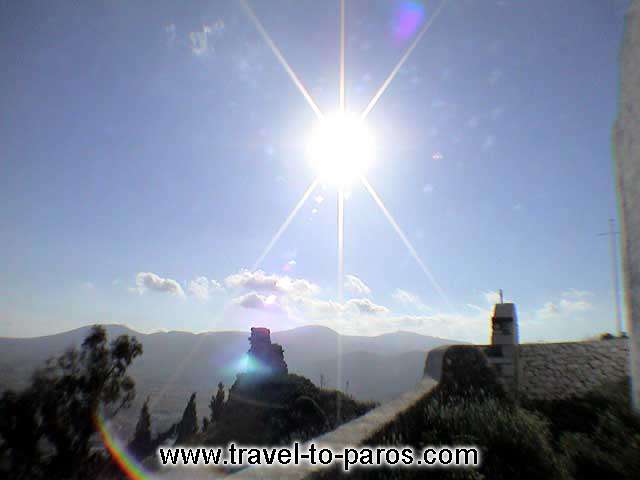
150 151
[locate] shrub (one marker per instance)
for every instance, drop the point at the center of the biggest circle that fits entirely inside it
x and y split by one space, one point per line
612 451
515 443
466 374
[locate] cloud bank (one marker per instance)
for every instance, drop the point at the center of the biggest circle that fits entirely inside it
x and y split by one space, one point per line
147 281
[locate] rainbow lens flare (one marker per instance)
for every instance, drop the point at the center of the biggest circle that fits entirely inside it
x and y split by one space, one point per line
116 448
407 19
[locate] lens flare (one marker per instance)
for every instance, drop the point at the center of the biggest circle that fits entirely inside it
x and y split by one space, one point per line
276 51
340 148
396 69
412 251
407 19
116 448
286 223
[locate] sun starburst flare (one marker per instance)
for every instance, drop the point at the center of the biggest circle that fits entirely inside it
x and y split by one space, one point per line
406 241
276 51
286 223
341 148
403 59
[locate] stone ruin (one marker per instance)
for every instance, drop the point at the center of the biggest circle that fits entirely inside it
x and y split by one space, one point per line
265 358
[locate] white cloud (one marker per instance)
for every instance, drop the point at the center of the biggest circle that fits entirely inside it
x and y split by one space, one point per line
319 308
565 306
409 299
201 41
313 307
257 301
150 281
548 310
262 282
295 301
364 305
201 288
575 305
199 44
354 285
277 294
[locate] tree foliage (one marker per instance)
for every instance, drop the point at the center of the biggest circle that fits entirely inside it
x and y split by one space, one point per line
205 424
142 445
188 425
217 404
61 406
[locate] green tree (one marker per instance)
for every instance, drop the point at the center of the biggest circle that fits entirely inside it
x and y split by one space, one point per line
188 425
141 444
62 405
217 404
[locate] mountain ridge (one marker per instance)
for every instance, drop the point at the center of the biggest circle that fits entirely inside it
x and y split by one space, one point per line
175 364
132 331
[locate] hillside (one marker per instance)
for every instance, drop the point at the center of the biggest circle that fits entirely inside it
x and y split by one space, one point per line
278 410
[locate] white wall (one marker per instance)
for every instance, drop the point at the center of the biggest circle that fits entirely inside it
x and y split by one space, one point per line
627 142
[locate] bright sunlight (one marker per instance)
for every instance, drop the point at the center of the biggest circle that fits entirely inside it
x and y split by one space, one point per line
340 148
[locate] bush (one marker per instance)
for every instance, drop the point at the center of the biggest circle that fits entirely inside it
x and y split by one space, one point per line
599 433
466 374
582 414
515 443
612 452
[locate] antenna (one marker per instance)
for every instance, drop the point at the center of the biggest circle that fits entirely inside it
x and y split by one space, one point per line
501 296
614 270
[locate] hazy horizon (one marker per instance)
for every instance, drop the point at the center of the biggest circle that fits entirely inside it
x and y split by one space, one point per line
151 332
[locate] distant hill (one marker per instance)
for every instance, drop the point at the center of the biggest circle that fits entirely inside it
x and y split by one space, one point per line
175 364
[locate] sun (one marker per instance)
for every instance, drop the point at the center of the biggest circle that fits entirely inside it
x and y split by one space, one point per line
340 148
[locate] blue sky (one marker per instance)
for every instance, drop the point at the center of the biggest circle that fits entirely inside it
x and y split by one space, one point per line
145 148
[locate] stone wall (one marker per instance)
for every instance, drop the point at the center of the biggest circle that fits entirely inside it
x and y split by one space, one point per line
394 421
561 370
554 370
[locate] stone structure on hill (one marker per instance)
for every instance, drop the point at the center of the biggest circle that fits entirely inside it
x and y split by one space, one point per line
542 370
265 358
